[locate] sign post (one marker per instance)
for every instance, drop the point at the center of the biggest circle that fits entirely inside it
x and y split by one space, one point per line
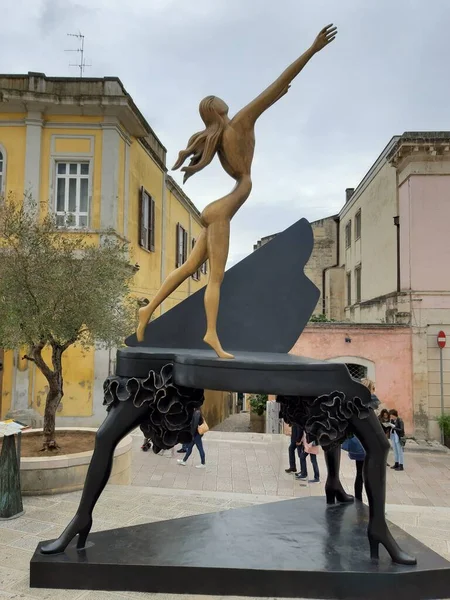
442 340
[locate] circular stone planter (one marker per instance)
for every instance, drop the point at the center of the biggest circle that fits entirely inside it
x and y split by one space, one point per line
67 472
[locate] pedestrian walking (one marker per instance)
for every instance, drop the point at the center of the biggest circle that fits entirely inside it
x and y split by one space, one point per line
397 439
308 447
294 446
357 453
198 428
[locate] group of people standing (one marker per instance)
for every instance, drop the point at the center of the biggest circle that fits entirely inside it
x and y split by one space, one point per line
393 428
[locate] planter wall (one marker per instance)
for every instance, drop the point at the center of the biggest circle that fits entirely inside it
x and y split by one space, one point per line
67 472
257 422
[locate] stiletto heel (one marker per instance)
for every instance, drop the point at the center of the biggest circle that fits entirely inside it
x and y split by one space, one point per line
74 528
337 494
374 548
331 496
396 553
82 536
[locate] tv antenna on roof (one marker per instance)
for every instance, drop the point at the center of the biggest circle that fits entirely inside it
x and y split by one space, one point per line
82 64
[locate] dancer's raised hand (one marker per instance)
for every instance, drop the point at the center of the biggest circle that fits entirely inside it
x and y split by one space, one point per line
325 37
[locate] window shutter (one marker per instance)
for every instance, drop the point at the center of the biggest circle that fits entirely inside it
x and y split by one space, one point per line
152 224
185 244
177 246
141 218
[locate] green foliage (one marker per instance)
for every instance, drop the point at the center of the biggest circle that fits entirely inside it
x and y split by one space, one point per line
444 424
57 285
321 318
57 288
258 403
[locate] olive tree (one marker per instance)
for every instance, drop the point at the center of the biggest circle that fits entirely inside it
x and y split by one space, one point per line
59 287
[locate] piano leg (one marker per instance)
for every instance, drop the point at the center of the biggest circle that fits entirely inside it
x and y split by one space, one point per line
333 487
371 436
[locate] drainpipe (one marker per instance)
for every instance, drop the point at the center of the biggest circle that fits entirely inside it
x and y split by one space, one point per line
163 234
397 224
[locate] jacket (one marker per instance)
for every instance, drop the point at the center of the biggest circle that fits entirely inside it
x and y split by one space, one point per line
296 433
197 420
399 427
354 448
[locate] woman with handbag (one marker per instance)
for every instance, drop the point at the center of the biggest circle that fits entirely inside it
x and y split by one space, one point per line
198 428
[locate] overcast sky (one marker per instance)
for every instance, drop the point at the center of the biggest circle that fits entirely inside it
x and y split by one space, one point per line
386 72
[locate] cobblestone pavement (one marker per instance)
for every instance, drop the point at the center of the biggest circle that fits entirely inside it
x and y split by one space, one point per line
239 422
249 466
254 463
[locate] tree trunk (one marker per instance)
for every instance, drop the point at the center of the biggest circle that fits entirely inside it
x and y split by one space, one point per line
54 397
55 391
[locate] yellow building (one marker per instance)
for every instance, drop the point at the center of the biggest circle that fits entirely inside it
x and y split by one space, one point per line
81 147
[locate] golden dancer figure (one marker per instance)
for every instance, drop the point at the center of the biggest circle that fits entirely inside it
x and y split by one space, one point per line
234 142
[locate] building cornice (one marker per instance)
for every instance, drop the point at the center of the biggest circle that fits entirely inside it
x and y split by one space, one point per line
426 146
370 176
173 186
105 97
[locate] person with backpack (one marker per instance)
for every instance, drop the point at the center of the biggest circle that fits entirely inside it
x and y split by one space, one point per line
397 439
198 428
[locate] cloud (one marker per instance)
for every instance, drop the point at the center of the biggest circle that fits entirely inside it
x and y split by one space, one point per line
385 73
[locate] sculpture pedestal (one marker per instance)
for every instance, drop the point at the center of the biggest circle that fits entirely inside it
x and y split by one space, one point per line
293 548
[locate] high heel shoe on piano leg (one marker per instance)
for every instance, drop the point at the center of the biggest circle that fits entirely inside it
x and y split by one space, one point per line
78 526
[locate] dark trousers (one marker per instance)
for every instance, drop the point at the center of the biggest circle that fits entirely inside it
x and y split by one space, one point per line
359 480
197 441
303 467
292 448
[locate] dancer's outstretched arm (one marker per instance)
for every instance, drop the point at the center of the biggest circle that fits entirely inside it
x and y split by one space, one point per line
250 113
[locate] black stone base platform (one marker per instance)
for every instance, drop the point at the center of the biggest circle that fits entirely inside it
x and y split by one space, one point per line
293 548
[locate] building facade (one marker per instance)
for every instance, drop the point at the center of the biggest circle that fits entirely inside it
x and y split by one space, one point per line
391 277
81 149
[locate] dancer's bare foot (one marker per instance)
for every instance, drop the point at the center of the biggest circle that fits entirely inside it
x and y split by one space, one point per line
144 318
212 340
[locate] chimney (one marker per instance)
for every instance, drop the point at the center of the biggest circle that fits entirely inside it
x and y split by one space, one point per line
348 194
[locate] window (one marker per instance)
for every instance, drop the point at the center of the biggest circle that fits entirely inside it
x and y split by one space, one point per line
358 283
147 221
348 234
181 247
357 371
2 162
195 275
204 267
72 194
358 225
349 289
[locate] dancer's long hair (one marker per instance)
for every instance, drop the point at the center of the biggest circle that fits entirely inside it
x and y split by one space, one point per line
202 146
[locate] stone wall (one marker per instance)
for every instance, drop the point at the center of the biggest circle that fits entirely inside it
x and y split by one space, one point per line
216 407
374 347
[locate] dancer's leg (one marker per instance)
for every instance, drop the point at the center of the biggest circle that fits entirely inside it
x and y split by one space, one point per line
371 436
121 419
218 239
333 487
195 260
